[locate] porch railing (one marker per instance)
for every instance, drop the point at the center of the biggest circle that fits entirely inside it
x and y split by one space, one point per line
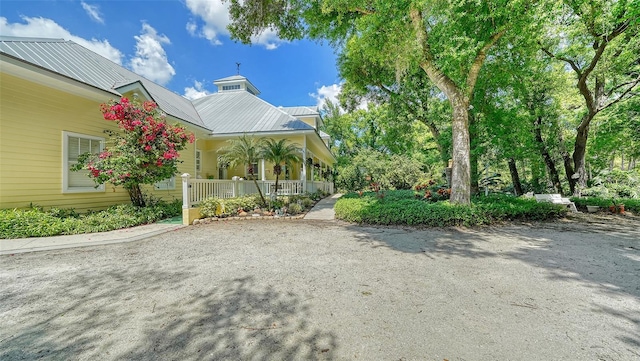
196 190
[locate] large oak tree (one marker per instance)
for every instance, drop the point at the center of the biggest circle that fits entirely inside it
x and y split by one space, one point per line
448 40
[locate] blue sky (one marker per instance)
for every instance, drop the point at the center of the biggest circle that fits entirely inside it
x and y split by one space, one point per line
181 44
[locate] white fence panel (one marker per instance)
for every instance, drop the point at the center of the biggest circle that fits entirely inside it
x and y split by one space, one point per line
198 190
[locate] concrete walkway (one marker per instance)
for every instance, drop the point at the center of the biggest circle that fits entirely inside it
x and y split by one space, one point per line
34 244
323 210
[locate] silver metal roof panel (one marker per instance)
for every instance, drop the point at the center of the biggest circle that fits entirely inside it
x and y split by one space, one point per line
76 62
242 112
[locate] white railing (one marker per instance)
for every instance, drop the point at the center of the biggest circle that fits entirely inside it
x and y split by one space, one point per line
196 190
326 187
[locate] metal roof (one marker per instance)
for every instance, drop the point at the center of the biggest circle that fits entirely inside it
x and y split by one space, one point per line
76 62
243 112
301 111
222 112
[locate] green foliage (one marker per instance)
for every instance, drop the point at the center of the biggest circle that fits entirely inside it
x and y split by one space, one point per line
615 184
212 207
246 203
630 204
388 171
306 202
144 151
244 151
295 208
401 208
280 152
36 222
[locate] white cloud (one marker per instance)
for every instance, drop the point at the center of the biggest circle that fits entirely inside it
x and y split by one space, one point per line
47 28
332 92
93 11
215 14
192 27
268 38
327 92
151 59
196 91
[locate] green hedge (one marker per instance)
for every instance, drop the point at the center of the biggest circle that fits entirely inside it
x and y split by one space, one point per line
402 208
36 222
630 204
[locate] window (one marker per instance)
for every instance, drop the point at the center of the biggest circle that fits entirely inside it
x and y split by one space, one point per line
75 144
167 184
253 168
198 161
231 87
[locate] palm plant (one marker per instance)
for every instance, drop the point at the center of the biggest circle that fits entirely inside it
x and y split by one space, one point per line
280 152
244 151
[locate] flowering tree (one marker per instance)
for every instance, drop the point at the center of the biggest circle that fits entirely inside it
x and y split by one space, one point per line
144 151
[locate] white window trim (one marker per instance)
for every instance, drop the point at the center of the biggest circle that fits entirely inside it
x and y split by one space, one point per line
165 185
66 164
256 174
198 161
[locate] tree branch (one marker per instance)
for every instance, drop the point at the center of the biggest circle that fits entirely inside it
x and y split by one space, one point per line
572 63
440 79
474 71
623 95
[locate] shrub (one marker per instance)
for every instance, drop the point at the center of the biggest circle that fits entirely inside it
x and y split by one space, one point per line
295 208
36 222
212 207
630 204
306 202
245 203
401 208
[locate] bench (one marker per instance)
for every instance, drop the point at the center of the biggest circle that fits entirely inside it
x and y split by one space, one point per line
556 199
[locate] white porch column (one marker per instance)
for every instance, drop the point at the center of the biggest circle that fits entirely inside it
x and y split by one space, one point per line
312 169
303 172
186 202
264 178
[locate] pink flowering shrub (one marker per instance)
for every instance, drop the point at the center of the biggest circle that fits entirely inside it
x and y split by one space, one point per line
144 151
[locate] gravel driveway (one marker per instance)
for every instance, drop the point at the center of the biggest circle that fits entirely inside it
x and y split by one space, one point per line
319 290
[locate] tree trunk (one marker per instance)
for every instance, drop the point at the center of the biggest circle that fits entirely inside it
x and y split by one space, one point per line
578 180
548 161
515 177
461 172
473 156
136 196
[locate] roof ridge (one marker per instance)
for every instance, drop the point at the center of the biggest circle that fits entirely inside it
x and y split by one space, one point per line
32 39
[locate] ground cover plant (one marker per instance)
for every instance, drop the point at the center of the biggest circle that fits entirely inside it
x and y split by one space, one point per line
38 222
630 204
229 207
403 208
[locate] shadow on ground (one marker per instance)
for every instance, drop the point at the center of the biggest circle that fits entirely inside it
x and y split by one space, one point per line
598 255
233 320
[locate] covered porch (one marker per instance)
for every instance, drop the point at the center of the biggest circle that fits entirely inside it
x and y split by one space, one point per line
196 190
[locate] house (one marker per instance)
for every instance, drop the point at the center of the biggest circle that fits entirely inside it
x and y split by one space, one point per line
50 93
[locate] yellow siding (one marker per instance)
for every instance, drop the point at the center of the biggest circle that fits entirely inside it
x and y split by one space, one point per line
309 120
32 119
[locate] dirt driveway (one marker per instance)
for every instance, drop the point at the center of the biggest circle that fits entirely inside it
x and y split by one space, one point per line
307 290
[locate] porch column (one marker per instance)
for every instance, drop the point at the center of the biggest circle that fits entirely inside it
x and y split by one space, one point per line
303 171
264 178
